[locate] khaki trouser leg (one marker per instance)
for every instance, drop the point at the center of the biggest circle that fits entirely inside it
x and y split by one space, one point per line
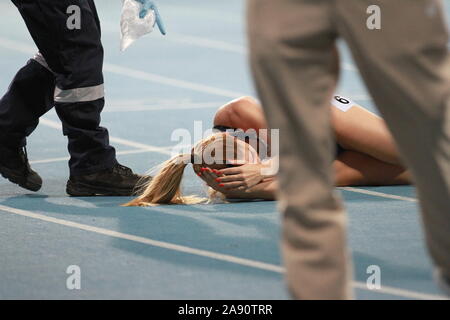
406 66
295 66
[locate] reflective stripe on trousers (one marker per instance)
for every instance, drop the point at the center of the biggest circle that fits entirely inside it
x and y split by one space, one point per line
73 95
79 94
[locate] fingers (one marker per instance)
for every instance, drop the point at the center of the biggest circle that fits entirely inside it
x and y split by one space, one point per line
210 177
206 175
214 180
229 182
159 21
145 7
231 171
149 5
234 185
229 178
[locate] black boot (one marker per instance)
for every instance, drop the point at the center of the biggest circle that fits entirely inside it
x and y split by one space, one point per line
117 181
15 167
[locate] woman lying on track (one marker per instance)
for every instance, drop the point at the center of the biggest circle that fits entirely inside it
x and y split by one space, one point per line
235 164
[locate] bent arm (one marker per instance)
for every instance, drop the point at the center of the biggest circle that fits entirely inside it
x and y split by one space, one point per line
356 169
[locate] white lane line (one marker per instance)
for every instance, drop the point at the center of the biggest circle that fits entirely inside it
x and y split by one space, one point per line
138 145
204 253
401 292
132 105
151 77
147 241
227 46
135 74
207 43
50 123
146 76
202 13
129 143
52 160
18 46
378 194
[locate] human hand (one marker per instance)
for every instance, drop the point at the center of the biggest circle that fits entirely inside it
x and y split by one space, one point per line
210 176
241 177
150 5
264 190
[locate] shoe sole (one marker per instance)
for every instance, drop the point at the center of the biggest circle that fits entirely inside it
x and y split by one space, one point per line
9 175
78 189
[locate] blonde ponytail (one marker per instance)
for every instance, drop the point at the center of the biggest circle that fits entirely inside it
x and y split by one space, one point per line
165 187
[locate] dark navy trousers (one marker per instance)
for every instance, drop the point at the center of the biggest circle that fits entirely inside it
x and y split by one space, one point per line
66 74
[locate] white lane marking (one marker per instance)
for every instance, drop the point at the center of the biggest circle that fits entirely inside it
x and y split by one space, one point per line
51 160
401 292
146 76
204 253
151 77
207 43
227 46
129 143
132 105
151 242
378 194
18 46
210 44
135 74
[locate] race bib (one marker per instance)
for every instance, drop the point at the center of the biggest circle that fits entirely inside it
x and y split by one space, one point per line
342 103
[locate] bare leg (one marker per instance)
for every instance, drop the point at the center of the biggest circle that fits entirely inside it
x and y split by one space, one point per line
358 169
360 130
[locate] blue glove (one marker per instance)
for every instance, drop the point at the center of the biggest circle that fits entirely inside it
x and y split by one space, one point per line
149 5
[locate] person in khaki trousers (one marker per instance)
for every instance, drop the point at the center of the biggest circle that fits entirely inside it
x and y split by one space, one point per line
406 66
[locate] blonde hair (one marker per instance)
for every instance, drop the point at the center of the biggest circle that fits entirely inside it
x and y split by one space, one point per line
165 187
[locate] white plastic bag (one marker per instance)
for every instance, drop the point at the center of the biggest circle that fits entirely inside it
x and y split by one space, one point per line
132 27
